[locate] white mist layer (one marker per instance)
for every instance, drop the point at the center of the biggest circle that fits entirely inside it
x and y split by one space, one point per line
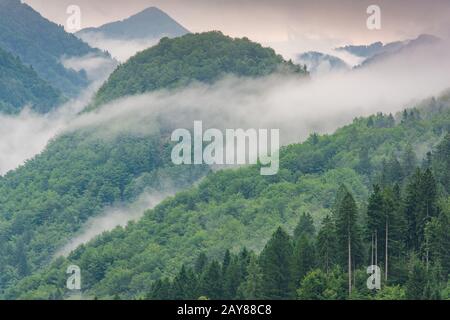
295 106
121 50
112 218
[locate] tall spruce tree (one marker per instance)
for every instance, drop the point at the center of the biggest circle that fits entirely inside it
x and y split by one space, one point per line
327 245
276 266
348 236
211 282
304 259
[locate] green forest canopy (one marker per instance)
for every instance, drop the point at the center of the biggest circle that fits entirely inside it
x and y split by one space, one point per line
203 57
20 86
233 209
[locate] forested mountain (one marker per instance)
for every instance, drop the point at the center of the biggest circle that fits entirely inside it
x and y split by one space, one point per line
20 86
356 183
46 201
368 51
151 23
42 44
317 62
203 57
378 51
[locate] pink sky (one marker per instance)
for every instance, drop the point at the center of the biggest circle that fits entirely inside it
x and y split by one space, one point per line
276 20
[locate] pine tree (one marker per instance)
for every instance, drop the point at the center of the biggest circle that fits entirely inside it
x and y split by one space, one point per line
326 245
233 277
201 263
305 227
409 161
226 262
375 223
304 259
184 285
211 282
348 236
276 266
252 287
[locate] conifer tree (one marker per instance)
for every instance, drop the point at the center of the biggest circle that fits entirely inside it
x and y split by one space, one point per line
184 286
327 245
305 227
211 282
276 266
304 259
201 263
252 287
409 161
348 235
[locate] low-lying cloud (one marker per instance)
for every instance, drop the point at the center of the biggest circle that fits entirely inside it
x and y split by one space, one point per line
114 217
296 106
121 50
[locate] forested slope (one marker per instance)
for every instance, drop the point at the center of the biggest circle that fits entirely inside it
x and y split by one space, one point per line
20 86
233 209
203 57
46 201
42 44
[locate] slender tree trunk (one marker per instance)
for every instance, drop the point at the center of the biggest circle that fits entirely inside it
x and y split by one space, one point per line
371 251
376 248
386 252
349 264
426 239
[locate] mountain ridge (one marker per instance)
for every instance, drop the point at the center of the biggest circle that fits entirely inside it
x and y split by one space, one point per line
20 86
42 44
151 23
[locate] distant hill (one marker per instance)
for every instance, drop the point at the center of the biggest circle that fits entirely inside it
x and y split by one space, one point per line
41 44
422 40
152 23
378 51
320 62
203 57
21 86
367 51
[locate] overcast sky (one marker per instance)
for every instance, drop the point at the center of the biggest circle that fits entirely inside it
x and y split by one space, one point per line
275 20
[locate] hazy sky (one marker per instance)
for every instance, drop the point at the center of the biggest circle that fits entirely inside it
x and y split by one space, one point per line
275 20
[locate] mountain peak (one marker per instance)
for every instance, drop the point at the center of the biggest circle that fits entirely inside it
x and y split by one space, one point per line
150 23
